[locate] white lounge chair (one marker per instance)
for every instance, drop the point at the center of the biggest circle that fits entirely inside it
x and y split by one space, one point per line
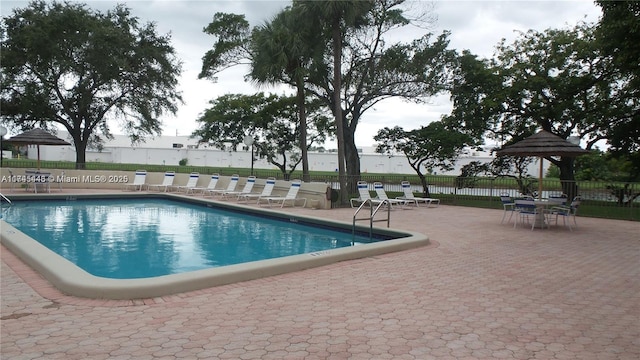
138 181
410 198
211 186
266 191
382 195
191 184
291 197
248 186
364 195
166 184
233 182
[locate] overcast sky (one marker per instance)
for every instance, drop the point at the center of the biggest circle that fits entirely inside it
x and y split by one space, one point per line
474 25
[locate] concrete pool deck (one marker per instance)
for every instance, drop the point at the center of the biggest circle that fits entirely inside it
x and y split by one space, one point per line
481 290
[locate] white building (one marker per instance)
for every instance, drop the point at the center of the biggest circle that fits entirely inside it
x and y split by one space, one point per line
170 150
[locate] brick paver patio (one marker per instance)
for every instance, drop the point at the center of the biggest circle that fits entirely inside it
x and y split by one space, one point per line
482 290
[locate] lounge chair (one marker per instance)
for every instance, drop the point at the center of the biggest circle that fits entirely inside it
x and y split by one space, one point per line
190 185
248 186
233 182
382 195
291 197
410 198
266 191
138 181
364 195
166 184
212 185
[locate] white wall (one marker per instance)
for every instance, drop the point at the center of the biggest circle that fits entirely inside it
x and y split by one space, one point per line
163 153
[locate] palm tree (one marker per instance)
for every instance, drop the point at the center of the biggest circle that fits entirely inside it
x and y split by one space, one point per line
283 50
335 18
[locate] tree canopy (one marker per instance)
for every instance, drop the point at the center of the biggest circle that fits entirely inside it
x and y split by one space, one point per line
426 148
270 119
557 80
352 68
63 63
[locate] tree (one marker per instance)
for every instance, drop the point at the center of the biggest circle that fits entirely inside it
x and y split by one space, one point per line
336 18
429 147
556 80
618 35
271 120
370 69
358 68
283 50
65 64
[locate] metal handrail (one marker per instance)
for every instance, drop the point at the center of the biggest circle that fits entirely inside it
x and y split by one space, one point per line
7 200
372 215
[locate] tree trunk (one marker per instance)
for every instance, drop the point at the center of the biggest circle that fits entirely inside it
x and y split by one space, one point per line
81 151
337 106
352 158
567 178
303 130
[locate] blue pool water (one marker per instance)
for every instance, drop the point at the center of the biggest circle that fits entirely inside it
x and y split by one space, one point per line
141 238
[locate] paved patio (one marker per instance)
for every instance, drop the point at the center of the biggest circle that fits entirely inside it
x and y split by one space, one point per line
482 290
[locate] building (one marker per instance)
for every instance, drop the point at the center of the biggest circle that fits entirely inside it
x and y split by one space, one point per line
172 150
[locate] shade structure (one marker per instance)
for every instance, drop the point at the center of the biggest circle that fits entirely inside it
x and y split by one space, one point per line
36 137
542 144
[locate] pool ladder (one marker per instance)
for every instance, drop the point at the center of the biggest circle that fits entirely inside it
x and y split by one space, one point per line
3 199
372 213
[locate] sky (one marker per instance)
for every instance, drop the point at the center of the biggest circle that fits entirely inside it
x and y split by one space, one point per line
477 26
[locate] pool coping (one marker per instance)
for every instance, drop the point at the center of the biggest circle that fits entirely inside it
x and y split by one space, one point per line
72 280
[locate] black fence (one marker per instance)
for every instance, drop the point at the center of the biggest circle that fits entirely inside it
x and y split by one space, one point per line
614 200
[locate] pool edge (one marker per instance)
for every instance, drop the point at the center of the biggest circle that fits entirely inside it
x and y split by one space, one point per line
71 280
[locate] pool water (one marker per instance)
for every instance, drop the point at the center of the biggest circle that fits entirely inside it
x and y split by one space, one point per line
142 238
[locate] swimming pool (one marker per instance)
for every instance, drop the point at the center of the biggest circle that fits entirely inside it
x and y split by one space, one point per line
143 238
73 280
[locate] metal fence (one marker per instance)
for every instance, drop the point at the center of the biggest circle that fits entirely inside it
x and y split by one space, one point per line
615 200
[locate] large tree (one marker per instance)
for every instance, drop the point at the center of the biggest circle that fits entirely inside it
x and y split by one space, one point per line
271 120
360 68
63 63
556 80
618 33
373 69
283 51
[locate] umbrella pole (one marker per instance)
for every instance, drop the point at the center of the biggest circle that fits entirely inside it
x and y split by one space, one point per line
540 181
38 146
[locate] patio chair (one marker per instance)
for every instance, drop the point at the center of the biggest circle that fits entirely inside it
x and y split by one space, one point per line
211 186
566 212
266 191
364 195
526 209
190 185
138 181
410 198
291 197
167 182
382 196
248 186
508 205
233 182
